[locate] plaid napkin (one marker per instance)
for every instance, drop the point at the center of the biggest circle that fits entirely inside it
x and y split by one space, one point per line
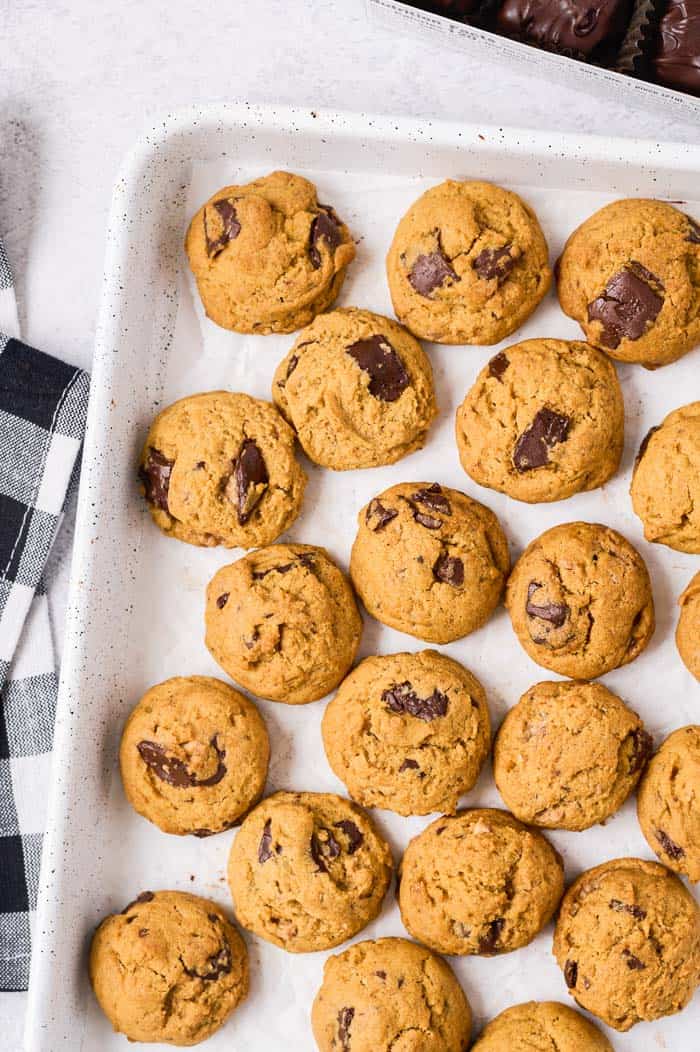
43 403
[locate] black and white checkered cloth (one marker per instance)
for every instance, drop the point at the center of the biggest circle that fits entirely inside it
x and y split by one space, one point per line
43 403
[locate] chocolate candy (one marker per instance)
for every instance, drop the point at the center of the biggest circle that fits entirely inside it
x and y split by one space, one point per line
583 27
677 60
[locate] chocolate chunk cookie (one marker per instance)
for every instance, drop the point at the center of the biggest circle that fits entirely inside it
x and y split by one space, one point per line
668 803
390 994
468 264
544 420
688 629
630 276
358 390
628 942
283 622
665 485
267 257
568 755
194 755
308 871
480 882
580 600
220 468
170 967
408 732
538 1025
429 561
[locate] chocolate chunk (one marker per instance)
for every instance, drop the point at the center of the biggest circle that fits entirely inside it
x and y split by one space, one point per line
409 765
532 448
217 965
488 943
677 61
145 896
570 974
388 376
225 223
283 568
669 846
175 772
246 486
430 522
449 569
554 613
154 475
202 833
345 1018
628 305
431 271
433 497
644 444
326 227
380 515
323 847
265 845
624 907
498 365
494 263
584 27
381 975
403 700
355 837
292 364
143 932
693 227
632 962
222 600
642 748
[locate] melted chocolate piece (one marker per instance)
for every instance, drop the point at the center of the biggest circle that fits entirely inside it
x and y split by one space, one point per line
429 521
644 444
570 974
677 61
632 962
227 221
494 263
265 845
554 613
629 303
409 765
430 271
291 365
449 569
145 896
488 943
222 600
282 568
143 932
323 848
387 373
381 975
202 833
566 26
247 486
345 1018
217 965
154 475
176 772
433 497
355 837
498 365
403 700
382 516
642 748
532 448
325 227
693 227
669 846
624 907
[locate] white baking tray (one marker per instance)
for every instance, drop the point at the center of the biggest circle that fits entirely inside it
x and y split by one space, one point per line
137 597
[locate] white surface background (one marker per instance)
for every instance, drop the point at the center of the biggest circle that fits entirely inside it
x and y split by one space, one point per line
79 81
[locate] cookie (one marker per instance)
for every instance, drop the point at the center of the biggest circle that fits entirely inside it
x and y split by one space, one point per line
668 802
390 994
628 942
429 561
194 755
580 600
688 628
568 755
308 871
220 468
630 276
357 389
538 1025
468 264
283 622
408 732
170 967
266 256
544 420
480 882
665 485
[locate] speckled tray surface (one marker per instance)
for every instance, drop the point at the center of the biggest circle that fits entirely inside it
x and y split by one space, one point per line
137 597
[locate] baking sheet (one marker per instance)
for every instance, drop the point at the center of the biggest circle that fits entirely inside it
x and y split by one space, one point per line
137 608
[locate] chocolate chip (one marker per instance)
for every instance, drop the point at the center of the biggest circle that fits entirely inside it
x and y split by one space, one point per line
380 975
293 362
693 232
488 943
322 847
449 569
430 522
409 765
624 907
326 227
554 613
154 475
498 365
202 833
433 497
222 600
282 568
265 845
143 932
345 1018
431 271
570 974
175 772
388 376
145 896
217 965
382 516
548 429
403 700
642 746
227 223
632 962
644 443
246 486
355 837
669 846
629 303
494 263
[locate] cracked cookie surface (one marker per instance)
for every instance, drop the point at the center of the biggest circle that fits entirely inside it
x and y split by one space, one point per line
688 628
468 264
389 995
194 755
568 755
429 561
308 870
266 256
628 942
536 1026
408 732
580 601
630 276
665 486
170 967
478 883
283 622
220 468
668 802
544 420
358 390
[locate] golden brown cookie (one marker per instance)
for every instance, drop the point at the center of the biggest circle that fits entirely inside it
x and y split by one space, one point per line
544 420
468 264
390 994
568 755
267 257
630 276
665 485
480 882
283 622
194 755
219 468
668 802
358 390
688 628
408 732
308 871
538 1025
429 561
628 942
580 601
170 967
